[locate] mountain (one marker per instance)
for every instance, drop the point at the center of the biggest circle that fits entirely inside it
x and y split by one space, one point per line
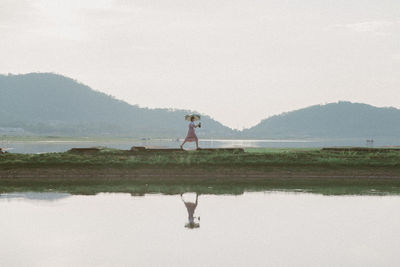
334 120
51 104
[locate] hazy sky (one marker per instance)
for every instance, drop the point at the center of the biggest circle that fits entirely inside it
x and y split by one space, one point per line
238 61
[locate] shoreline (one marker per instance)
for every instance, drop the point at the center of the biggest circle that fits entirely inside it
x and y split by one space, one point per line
141 170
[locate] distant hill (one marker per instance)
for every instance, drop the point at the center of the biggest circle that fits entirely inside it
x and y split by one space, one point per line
334 120
51 104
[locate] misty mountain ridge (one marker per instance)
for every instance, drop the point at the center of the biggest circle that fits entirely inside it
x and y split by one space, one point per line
334 120
52 104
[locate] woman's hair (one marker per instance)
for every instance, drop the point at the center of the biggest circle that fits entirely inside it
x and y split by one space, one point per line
192 118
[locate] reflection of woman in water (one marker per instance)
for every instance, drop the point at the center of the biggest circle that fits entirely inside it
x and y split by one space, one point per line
191 207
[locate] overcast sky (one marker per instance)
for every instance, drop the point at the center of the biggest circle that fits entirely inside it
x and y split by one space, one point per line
239 61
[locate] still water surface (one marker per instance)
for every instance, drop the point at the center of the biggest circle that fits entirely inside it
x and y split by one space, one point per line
253 229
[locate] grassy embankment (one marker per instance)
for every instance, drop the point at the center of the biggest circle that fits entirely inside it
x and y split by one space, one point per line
314 170
252 158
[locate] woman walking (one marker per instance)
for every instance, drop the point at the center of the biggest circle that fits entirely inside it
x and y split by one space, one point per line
191 135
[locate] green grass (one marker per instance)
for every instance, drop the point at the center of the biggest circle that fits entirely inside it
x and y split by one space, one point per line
250 158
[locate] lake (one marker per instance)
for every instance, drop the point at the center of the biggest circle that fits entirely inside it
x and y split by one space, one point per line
57 145
251 229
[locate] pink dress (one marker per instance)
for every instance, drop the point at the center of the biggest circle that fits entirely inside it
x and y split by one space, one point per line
191 135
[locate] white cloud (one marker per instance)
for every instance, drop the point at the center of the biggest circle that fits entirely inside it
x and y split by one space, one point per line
378 27
370 26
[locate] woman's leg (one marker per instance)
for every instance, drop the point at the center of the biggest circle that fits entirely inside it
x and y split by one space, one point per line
197 143
183 144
